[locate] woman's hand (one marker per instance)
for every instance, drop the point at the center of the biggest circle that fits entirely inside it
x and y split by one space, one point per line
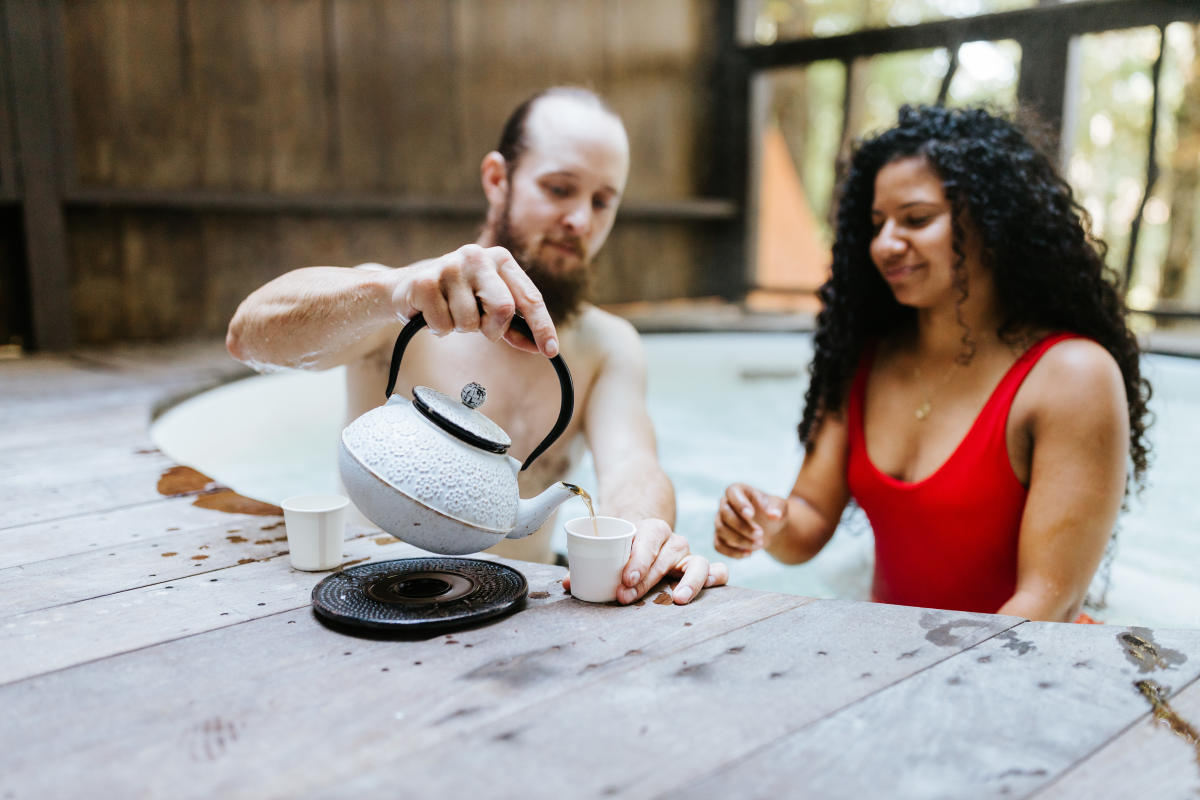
747 520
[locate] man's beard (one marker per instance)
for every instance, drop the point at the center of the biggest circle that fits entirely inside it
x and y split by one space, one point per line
563 292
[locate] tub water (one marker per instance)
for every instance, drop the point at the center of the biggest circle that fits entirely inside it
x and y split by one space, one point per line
725 408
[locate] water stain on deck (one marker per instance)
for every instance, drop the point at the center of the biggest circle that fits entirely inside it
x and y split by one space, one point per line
663 598
1142 651
382 540
182 481
1157 696
943 634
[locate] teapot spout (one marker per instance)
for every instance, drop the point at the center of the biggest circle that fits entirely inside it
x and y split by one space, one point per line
533 512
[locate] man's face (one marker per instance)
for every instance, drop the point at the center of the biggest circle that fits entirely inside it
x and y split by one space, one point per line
562 197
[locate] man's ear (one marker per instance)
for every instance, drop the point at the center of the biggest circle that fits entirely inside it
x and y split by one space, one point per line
493 173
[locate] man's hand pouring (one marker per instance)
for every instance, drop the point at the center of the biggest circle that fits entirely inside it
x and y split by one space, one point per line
476 288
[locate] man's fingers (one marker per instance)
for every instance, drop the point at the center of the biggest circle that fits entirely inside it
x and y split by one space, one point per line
529 303
497 304
671 553
425 296
718 574
695 573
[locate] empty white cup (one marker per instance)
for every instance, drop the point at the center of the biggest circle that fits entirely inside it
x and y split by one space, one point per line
596 561
316 528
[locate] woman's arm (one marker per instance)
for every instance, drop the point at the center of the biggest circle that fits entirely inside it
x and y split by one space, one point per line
794 529
1080 443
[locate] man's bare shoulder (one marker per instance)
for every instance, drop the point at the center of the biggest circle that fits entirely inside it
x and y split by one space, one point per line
603 332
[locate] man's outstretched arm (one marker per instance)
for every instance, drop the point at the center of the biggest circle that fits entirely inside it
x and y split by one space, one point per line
320 317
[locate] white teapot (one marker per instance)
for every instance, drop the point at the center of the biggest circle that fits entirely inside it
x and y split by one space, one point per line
434 472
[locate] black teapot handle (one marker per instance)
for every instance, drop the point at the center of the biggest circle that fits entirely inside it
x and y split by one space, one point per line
522 327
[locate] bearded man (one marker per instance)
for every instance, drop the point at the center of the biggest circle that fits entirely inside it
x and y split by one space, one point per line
552 187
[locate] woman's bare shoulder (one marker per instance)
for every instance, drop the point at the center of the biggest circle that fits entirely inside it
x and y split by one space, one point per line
1076 375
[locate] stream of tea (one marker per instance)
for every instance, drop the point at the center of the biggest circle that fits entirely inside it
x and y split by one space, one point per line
587 499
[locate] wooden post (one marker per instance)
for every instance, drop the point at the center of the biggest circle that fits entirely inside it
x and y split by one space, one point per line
731 273
32 29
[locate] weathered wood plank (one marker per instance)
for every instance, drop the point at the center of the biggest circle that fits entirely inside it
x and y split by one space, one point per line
149 559
278 705
1123 768
999 720
45 494
636 733
54 638
93 532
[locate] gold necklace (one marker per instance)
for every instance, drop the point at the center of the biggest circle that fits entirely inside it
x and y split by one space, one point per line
923 411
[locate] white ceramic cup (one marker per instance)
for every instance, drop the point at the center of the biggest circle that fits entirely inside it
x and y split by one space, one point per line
595 561
316 528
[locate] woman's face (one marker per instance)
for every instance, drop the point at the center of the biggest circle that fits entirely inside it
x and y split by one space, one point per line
912 245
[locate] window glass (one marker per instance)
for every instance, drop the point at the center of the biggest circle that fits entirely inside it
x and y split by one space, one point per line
769 21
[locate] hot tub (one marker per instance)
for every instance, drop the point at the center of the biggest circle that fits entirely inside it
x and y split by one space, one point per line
725 407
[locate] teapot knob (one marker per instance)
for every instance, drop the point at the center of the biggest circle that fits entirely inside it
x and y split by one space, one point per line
473 395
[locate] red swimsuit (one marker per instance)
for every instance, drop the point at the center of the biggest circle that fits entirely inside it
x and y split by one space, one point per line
950 540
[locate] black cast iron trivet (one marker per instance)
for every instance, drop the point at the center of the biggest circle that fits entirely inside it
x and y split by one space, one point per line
419 594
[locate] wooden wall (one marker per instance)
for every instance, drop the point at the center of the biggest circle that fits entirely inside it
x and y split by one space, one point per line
213 144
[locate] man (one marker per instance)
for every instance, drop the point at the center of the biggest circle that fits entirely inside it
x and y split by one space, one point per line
552 187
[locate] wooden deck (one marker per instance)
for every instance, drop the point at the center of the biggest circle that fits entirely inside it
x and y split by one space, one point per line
153 647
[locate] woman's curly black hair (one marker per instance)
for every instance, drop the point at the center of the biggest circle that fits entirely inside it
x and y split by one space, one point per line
1049 270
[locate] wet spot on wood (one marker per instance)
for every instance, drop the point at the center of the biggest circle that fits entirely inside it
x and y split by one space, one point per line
944 636
1157 695
458 714
264 541
663 598
382 540
524 669
147 451
172 529
1016 644
203 547
179 480
247 560
701 670
538 595
199 558
272 526
231 502
237 539
168 555
1141 649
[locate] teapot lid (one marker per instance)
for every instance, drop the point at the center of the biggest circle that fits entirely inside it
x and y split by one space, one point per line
462 420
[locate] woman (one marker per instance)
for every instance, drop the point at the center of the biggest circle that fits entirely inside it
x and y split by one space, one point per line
974 386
